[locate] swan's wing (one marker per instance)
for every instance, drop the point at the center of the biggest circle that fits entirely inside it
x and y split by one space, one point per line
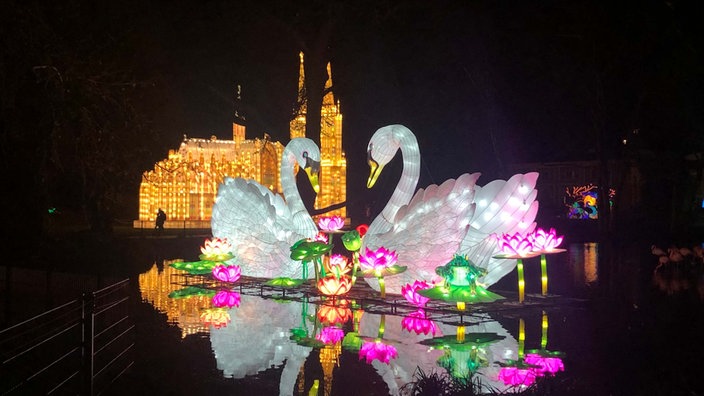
260 227
427 232
503 207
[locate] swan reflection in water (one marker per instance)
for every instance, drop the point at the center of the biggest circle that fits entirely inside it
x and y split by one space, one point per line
263 333
260 336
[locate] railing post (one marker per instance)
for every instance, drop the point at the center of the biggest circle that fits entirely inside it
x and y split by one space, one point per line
87 341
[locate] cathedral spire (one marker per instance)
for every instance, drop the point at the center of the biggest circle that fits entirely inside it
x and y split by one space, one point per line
297 125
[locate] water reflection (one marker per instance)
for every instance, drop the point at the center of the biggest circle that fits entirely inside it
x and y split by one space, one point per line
250 334
583 259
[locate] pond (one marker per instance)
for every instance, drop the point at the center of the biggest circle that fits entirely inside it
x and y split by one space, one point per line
269 341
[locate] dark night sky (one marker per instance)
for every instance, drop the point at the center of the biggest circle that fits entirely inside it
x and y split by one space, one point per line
481 83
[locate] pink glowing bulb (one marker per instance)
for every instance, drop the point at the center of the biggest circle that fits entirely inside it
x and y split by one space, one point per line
226 298
330 335
332 223
417 323
410 292
516 244
227 273
377 350
515 376
377 260
545 241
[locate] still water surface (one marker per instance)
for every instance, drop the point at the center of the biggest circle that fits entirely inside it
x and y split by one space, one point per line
353 349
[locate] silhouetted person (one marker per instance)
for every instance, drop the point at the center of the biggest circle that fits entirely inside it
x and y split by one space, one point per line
160 220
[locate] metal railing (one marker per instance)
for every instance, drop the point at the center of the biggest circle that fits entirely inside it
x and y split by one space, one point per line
80 347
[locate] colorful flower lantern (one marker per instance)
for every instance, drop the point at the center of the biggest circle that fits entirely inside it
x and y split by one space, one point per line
216 317
335 313
410 293
377 350
216 249
331 224
516 246
545 242
334 286
227 273
418 323
226 298
330 335
379 263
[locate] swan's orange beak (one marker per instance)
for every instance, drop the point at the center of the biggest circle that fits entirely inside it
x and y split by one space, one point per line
312 169
374 172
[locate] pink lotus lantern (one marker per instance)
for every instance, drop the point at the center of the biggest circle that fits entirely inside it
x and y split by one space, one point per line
410 292
216 249
417 323
378 263
226 298
377 350
331 224
516 246
330 335
516 376
545 243
227 273
546 365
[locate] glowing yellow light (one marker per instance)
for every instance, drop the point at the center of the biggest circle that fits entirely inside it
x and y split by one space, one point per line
544 337
460 333
461 305
521 281
521 337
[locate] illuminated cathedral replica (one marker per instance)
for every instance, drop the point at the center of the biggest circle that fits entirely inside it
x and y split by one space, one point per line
185 184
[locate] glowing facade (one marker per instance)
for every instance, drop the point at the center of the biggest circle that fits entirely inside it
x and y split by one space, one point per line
333 166
185 184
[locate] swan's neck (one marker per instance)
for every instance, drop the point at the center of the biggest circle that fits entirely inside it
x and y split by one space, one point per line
288 183
406 185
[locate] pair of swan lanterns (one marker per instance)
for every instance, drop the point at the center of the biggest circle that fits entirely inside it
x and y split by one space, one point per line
423 230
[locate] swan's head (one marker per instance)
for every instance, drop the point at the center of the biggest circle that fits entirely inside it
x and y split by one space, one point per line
383 147
307 156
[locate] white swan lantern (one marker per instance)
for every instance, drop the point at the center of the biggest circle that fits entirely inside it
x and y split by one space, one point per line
428 227
262 225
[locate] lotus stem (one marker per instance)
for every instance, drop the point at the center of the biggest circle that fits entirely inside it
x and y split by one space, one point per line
521 337
544 274
305 270
382 326
544 337
521 281
355 266
382 286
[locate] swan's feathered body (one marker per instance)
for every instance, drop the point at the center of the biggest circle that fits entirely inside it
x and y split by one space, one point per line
262 225
503 207
427 228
